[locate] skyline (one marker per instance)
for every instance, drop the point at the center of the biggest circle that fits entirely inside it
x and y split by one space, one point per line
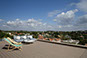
42 15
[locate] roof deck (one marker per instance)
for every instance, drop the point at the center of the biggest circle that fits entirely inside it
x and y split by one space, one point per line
43 50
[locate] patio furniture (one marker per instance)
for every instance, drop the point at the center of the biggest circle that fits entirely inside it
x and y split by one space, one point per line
14 46
19 38
29 40
13 41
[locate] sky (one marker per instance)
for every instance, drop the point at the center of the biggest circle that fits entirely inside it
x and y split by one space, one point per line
43 15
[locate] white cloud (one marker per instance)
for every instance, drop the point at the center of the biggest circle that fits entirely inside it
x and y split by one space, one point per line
72 4
17 19
53 13
68 26
54 20
35 25
80 24
82 5
59 26
44 23
30 25
31 20
66 18
82 20
1 19
66 21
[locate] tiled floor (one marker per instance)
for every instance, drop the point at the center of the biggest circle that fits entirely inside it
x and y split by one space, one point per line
43 50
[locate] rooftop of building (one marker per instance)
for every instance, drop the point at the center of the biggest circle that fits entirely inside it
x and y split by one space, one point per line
43 50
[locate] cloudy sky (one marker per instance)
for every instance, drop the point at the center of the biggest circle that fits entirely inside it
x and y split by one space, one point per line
42 15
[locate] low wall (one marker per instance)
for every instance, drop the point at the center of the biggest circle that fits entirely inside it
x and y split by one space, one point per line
73 45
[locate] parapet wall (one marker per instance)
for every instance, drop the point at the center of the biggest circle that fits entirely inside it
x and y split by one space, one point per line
66 44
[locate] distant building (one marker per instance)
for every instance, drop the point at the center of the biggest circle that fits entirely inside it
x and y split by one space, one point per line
71 41
40 37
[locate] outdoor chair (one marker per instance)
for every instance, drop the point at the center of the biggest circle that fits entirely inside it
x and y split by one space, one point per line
13 41
14 46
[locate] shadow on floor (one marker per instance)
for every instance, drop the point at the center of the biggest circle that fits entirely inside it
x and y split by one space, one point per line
26 43
6 47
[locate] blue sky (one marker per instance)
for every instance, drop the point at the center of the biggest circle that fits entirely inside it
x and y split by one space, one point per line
58 15
25 9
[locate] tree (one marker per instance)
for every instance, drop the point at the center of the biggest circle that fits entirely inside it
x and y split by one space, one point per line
2 34
83 42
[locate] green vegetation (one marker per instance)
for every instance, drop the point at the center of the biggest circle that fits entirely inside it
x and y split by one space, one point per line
75 35
3 34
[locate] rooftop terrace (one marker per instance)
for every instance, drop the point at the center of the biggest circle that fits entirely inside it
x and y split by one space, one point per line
43 50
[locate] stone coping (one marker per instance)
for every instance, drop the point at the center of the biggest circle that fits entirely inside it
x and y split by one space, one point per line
67 44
